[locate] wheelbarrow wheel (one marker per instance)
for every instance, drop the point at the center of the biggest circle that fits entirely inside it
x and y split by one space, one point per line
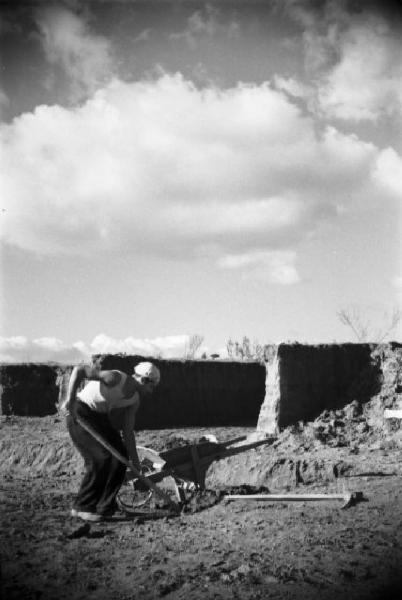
132 494
129 499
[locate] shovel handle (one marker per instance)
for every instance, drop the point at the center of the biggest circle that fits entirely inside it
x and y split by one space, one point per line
149 484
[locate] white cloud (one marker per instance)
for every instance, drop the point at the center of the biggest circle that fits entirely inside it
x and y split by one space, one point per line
388 171
68 43
292 86
163 167
205 23
254 217
14 343
48 349
366 83
20 349
272 266
168 347
353 59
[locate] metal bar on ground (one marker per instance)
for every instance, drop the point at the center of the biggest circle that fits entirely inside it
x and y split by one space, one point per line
286 497
349 498
392 414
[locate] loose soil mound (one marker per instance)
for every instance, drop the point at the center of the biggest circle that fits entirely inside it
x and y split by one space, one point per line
307 453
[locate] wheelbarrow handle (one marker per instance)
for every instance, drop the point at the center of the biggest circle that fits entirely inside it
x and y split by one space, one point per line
149 484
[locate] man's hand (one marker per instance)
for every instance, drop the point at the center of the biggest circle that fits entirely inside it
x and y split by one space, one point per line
69 409
137 483
147 464
140 469
64 409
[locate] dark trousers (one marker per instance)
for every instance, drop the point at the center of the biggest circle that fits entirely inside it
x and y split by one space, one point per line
104 474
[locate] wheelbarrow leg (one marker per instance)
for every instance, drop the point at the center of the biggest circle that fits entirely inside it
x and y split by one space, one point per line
199 471
179 491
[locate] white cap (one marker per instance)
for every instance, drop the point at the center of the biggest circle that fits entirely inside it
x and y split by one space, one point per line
148 369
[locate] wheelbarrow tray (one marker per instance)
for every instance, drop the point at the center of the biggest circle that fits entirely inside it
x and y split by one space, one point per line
192 461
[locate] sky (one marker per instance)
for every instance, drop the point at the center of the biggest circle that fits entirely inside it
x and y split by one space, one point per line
172 168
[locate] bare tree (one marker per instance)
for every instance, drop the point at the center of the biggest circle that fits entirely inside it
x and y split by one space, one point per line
230 347
245 350
362 327
352 319
192 346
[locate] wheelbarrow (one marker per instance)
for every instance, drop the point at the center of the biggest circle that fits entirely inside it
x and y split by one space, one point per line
186 465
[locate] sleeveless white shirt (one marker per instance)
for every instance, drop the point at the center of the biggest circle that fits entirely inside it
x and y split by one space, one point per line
103 399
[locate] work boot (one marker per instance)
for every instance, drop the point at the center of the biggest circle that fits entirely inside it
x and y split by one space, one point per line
86 515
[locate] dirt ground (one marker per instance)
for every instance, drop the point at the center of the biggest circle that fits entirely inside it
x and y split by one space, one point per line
240 549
